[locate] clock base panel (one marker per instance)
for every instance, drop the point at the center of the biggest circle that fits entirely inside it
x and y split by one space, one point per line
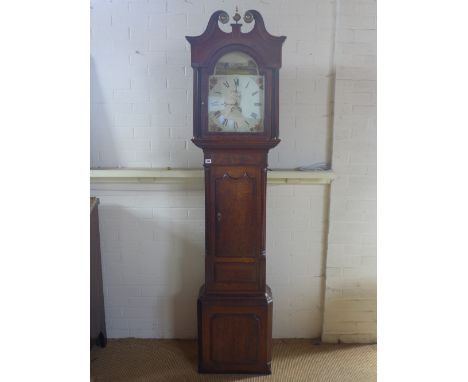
234 333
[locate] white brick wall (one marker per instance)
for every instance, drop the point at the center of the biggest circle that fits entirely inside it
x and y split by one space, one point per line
152 239
350 299
141 116
141 113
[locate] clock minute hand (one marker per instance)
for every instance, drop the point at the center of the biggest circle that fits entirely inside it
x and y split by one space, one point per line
237 103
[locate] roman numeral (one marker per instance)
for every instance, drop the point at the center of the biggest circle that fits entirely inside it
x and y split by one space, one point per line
246 86
256 92
235 125
225 122
225 83
236 82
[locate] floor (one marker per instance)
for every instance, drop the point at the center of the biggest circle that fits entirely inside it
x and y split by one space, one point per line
176 360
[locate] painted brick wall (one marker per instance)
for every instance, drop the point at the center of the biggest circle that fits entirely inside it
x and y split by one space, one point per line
141 113
350 300
153 258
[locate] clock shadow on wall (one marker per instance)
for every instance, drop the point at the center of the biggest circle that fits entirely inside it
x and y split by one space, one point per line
307 83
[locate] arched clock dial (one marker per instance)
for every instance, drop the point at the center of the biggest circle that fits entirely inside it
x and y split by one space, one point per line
236 95
236 103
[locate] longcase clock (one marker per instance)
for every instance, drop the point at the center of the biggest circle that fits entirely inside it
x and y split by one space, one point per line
235 122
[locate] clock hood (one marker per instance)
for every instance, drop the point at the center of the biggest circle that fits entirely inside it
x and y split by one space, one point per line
259 40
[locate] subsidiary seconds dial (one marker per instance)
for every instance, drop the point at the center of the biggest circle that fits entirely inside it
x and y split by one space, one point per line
235 103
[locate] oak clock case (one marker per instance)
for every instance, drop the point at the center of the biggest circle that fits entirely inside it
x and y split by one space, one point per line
235 123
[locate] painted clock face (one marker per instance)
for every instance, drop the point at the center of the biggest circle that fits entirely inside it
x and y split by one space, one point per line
236 96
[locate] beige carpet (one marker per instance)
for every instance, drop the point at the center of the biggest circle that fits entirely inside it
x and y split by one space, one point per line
176 360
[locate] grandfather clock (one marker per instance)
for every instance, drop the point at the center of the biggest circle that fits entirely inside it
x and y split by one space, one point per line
235 122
